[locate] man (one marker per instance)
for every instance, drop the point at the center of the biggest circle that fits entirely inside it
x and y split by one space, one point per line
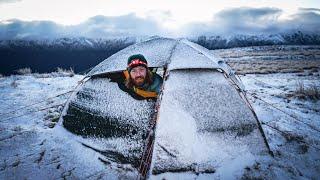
140 82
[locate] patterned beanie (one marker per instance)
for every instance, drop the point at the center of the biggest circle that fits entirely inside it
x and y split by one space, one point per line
136 60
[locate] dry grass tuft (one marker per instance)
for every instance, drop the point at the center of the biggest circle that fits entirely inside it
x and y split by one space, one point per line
303 92
14 83
279 66
60 72
24 71
68 72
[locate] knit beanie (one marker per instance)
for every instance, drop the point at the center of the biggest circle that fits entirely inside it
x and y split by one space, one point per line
136 60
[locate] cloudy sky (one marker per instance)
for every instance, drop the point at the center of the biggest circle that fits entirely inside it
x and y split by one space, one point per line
173 18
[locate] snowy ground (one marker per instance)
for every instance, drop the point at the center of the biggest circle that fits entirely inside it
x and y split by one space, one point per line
290 120
31 149
295 140
272 59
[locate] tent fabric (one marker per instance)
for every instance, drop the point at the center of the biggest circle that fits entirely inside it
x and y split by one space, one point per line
101 110
156 51
159 52
203 123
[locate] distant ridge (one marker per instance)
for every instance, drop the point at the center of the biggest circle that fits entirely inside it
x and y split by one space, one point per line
45 55
223 42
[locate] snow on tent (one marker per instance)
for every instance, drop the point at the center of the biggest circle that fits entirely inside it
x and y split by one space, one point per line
204 125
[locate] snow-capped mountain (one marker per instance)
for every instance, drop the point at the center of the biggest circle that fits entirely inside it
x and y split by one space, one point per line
46 55
80 53
222 42
74 43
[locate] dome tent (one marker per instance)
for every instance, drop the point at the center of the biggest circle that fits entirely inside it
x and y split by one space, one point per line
203 123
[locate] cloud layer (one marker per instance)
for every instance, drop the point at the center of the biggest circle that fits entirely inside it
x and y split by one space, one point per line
95 27
256 21
242 20
8 1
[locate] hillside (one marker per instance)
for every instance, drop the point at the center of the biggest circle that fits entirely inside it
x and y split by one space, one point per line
80 54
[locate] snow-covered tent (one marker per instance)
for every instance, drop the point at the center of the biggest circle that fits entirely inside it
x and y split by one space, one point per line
204 125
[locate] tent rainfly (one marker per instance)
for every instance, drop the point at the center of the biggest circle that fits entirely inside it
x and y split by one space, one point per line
201 123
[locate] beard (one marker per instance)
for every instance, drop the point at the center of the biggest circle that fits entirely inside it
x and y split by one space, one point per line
138 81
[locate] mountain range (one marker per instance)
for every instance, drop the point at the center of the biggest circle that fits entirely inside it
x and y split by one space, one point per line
45 55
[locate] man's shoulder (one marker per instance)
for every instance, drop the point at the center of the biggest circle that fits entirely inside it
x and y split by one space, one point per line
156 78
156 82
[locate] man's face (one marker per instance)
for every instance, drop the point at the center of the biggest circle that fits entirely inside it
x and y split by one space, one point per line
138 75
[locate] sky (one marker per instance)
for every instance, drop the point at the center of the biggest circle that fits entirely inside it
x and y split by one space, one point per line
96 18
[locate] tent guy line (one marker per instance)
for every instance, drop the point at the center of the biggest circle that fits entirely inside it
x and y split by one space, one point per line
291 115
39 110
39 102
286 134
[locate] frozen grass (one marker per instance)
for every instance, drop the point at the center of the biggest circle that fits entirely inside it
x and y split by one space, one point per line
279 66
14 84
272 59
306 92
60 72
66 71
282 51
24 71
297 149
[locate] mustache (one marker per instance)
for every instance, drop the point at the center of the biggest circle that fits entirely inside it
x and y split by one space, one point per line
139 77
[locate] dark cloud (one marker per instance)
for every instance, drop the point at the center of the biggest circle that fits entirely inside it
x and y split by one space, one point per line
310 9
251 14
9 1
239 21
247 21
14 28
95 27
251 21
303 21
127 25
